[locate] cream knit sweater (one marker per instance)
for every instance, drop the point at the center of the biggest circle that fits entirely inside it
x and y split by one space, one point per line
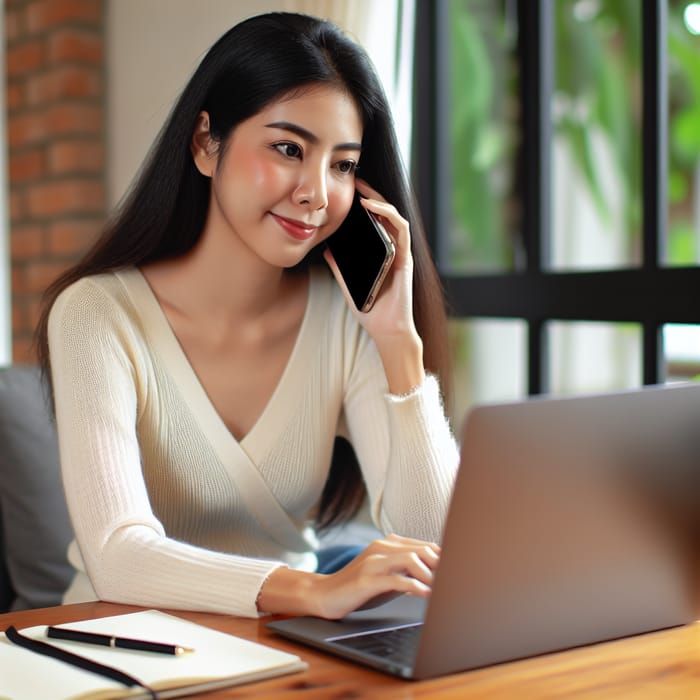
158 488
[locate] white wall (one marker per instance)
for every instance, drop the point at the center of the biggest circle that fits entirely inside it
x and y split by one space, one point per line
5 308
153 46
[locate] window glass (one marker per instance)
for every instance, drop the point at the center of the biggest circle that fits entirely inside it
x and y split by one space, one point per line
488 358
681 352
484 137
596 125
683 133
587 357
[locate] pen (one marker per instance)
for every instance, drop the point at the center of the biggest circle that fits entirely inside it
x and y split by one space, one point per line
121 642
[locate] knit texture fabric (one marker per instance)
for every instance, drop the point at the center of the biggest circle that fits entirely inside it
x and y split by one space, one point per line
154 478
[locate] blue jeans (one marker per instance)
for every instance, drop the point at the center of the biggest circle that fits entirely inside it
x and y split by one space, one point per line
332 559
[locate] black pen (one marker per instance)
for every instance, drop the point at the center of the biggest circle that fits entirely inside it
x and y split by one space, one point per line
106 640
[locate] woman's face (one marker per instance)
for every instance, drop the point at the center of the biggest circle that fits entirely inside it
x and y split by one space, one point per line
287 177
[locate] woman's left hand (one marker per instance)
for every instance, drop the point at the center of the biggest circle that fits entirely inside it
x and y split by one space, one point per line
390 321
392 313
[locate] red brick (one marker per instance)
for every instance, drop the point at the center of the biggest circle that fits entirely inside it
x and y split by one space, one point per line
19 280
44 14
74 119
20 321
73 44
23 350
24 58
63 82
76 156
18 205
39 275
14 96
25 314
27 165
39 125
26 242
65 197
56 125
25 129
32 311
14 24
72 237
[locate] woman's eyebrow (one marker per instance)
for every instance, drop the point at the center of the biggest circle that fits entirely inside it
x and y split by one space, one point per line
311 137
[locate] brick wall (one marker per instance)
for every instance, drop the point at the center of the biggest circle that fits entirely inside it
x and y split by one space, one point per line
56 146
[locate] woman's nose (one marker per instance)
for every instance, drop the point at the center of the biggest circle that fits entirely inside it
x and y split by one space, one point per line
312 190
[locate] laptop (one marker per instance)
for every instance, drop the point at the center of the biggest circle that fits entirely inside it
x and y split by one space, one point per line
573 520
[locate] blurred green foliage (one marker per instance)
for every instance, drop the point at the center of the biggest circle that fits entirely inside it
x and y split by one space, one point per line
597 91
483 85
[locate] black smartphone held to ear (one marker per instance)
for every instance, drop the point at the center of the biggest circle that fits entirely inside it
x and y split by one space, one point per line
364 252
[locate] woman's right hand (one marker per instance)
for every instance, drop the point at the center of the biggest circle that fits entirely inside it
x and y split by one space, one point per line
389 566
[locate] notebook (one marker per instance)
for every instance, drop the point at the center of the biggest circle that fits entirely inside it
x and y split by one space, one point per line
219 660
572 521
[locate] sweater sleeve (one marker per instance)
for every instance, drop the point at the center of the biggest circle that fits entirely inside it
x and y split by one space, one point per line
127 553
405 447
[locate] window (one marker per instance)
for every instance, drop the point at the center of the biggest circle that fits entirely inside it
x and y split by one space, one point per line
557 162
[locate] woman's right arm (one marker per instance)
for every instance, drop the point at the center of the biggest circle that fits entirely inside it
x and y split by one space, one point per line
97 379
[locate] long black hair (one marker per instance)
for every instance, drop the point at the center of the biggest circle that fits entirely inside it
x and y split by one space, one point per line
163 213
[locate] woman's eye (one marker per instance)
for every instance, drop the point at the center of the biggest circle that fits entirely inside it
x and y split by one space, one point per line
347 167
290 150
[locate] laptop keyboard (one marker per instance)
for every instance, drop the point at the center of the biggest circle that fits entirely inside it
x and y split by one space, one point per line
396 644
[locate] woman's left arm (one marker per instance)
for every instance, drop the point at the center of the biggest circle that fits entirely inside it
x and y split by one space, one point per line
398 426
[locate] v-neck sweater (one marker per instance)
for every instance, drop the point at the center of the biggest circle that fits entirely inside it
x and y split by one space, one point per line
168 508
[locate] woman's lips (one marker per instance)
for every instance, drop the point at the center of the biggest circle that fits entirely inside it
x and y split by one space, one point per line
296 229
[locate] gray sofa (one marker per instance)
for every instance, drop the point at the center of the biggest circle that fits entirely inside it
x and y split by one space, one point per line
34 526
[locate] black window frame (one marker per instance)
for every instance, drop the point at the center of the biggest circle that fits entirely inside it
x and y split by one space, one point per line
650 295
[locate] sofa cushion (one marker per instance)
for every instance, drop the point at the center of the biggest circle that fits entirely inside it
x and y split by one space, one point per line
34 519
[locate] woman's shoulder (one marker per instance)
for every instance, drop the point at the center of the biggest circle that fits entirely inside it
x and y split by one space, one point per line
110 282
93 294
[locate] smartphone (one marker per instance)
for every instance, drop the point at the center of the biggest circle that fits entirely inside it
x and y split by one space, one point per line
364 252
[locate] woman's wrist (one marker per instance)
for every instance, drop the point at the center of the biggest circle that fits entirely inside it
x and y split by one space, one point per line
402 358
288 591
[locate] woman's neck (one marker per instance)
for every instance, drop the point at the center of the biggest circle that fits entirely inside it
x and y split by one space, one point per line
219 277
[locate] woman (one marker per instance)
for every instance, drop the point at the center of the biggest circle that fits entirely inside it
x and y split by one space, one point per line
203 360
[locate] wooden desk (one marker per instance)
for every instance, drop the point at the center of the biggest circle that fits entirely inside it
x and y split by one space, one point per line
659 665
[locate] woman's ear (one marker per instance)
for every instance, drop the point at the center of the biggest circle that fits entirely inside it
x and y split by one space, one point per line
203 146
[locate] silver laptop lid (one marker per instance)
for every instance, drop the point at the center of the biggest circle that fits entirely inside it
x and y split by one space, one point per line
573 520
